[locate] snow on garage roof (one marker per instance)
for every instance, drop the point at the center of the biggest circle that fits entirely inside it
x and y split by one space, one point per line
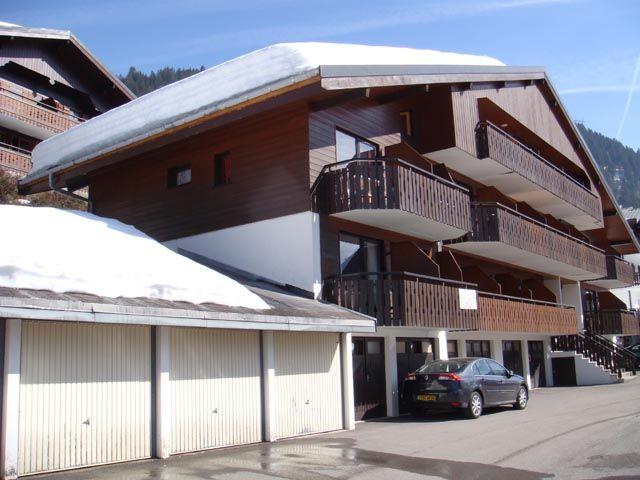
71 251
220 87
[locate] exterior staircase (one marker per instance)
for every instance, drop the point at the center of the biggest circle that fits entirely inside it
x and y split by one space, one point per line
613 363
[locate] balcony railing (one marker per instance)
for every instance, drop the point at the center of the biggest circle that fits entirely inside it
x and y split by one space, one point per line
14 159
403 299
636 277
391 184
35 113
493 222
503 313
613 322
511 153
621 270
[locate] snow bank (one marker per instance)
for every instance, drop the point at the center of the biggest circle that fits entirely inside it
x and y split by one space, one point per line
71 251
219 87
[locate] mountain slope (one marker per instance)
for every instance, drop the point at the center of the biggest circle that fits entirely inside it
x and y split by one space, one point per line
140 83
619 164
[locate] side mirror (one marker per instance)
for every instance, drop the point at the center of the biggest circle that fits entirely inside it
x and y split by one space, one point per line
510 373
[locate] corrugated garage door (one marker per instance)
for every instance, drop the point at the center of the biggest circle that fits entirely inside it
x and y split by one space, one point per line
308 391
85 395
215 388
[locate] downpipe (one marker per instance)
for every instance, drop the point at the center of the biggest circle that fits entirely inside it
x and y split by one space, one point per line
52 186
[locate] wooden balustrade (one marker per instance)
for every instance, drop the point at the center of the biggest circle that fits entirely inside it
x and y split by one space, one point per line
612 322
501 313
403 299
493 222
619 269
498 145
14 159
35 113
391 184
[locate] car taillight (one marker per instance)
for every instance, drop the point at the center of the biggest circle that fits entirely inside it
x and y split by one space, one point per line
410 376
452 377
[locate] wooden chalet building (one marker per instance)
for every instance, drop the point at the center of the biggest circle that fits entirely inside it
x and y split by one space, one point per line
449 196
49 82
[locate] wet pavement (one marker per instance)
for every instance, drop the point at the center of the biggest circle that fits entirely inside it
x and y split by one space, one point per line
573 433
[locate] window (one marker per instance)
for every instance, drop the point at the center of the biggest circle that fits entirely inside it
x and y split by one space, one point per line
222 169
478 348
177 176
452 348
349 146
358 255
405 119
481 367
497 369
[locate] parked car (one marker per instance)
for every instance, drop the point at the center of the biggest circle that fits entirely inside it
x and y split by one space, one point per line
467 384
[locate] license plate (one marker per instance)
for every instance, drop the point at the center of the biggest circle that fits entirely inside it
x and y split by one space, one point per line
427 398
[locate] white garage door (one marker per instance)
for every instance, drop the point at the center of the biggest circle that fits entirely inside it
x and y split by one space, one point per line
308 391
85 395
215 388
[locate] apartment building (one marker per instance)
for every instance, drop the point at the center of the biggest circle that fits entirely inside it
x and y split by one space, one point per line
49 82
448 196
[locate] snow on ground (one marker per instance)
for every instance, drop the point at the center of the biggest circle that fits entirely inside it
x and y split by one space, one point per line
219 87
72 251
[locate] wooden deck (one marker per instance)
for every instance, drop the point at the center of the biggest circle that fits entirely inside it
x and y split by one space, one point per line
370 190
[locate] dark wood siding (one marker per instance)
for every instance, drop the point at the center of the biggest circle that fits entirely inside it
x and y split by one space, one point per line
269 178
366 118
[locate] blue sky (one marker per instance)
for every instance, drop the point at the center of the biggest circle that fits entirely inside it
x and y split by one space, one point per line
590 48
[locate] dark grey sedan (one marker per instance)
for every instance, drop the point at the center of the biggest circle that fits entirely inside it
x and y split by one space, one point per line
467 384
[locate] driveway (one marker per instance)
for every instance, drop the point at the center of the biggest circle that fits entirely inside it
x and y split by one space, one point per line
573 433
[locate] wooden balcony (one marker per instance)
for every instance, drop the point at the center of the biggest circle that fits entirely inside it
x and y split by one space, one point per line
402 299
14 160
613 322
393 195
502 313
519 172
37 119
620 273
503 234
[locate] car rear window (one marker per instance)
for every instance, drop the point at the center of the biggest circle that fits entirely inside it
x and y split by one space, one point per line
443 366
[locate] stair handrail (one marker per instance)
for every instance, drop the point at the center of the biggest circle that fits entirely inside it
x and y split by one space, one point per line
628 357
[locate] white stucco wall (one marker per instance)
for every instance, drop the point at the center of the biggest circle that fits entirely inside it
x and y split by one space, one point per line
587 372
285 249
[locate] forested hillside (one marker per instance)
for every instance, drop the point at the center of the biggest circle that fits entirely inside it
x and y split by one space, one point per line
620 164
140 83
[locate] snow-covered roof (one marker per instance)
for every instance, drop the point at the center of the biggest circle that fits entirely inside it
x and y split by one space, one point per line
71 251
220 87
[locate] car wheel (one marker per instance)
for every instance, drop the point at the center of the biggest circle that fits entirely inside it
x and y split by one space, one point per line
522 399
474 408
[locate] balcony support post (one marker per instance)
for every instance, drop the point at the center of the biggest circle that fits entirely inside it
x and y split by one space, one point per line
548 364
572 295
442 352
496 351
462 347
526 371
391 375
555 285
348 405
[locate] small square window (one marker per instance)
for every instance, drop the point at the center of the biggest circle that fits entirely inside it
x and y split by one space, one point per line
222 169
177 176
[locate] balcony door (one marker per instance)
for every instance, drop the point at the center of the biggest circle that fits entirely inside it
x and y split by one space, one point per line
359 255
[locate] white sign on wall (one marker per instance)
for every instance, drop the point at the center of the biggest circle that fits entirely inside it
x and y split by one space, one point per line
468 299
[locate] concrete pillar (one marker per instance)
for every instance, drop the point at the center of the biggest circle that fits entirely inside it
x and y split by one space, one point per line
163 393
391 375
462 348
572 295
442 352
348 405
526 372
268 384
496 351
11 399
555 285
548 365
